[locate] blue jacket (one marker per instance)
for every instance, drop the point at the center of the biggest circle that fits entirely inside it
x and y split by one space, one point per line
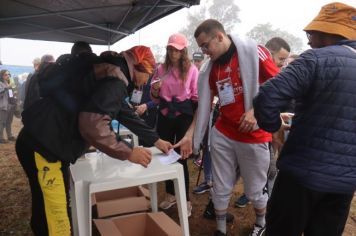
321 148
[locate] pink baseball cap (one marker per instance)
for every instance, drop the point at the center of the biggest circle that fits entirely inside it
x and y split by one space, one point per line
178 41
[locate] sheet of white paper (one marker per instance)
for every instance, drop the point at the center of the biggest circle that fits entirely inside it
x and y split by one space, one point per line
169 158
11 94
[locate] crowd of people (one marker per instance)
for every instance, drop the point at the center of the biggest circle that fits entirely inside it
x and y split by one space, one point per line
230 105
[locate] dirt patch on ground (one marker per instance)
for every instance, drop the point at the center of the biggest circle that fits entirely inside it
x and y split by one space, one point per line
15 202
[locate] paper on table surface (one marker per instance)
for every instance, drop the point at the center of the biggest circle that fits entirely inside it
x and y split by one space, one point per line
169 158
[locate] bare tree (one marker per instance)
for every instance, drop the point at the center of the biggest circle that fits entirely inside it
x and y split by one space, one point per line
264 32
159 52
224 11
227 12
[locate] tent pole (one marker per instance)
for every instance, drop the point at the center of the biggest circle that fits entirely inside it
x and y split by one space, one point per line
108 25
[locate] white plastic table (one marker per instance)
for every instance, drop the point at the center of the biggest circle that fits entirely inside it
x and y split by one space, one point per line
98 172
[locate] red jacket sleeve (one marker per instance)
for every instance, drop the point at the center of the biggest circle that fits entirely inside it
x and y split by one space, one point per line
267 67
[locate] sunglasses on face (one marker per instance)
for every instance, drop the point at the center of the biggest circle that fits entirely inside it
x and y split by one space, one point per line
205 46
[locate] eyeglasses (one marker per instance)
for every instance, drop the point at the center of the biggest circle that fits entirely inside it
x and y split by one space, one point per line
205 46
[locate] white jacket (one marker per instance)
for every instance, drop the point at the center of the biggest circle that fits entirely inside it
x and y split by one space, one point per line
249 70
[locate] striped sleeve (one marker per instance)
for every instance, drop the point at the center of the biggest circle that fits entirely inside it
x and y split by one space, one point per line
263 53
267 67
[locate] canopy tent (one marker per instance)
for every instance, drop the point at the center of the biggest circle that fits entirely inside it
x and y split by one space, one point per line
101 22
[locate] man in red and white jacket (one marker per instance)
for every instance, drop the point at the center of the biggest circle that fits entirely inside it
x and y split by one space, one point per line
238 146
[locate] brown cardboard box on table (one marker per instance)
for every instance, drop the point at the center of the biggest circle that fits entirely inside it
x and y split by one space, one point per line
120 201
141 224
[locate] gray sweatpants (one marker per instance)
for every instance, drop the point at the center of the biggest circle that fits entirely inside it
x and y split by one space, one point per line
232 159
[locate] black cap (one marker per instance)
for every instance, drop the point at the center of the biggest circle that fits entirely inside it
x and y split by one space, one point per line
198 56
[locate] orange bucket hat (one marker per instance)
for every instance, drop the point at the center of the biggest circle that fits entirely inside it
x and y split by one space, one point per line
335 18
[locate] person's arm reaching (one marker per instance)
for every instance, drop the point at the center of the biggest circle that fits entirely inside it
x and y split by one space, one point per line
133 122
186 143
94 124
292 83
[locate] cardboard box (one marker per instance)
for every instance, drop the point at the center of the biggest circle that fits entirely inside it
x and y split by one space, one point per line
142 224
120 201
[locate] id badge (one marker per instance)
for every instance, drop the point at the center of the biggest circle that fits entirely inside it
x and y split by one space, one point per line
225 91
11 94
136 96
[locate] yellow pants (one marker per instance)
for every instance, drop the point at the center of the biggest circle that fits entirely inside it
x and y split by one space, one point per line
50 178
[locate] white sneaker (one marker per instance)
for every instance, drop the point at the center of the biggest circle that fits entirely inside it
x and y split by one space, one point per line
258 230
168 202
189 208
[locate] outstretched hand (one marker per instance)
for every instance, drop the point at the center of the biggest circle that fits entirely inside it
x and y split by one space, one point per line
164 146
186 147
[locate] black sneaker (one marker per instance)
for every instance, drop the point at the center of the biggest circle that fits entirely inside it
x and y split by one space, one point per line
201 188
218 233
242 201
209 213
258 230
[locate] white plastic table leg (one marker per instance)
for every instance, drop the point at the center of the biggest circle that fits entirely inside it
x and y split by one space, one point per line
73 207
153 194
179 188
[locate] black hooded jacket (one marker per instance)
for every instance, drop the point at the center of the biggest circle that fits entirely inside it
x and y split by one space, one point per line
79 98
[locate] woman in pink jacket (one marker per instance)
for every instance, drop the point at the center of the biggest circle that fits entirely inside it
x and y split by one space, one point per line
174 87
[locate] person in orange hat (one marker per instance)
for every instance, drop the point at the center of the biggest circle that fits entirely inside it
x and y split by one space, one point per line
142 61
137 63
317 164
335 21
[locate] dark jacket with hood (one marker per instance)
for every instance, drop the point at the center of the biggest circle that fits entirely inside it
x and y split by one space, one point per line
79 97
320 151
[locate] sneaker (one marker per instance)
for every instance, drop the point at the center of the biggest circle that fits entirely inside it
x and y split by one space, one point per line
258 230
3 141
242 201
168 202
189 208
218 233
198 162
209 213
202 188
12 138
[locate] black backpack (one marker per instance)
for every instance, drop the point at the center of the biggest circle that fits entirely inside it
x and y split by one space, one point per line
52 121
